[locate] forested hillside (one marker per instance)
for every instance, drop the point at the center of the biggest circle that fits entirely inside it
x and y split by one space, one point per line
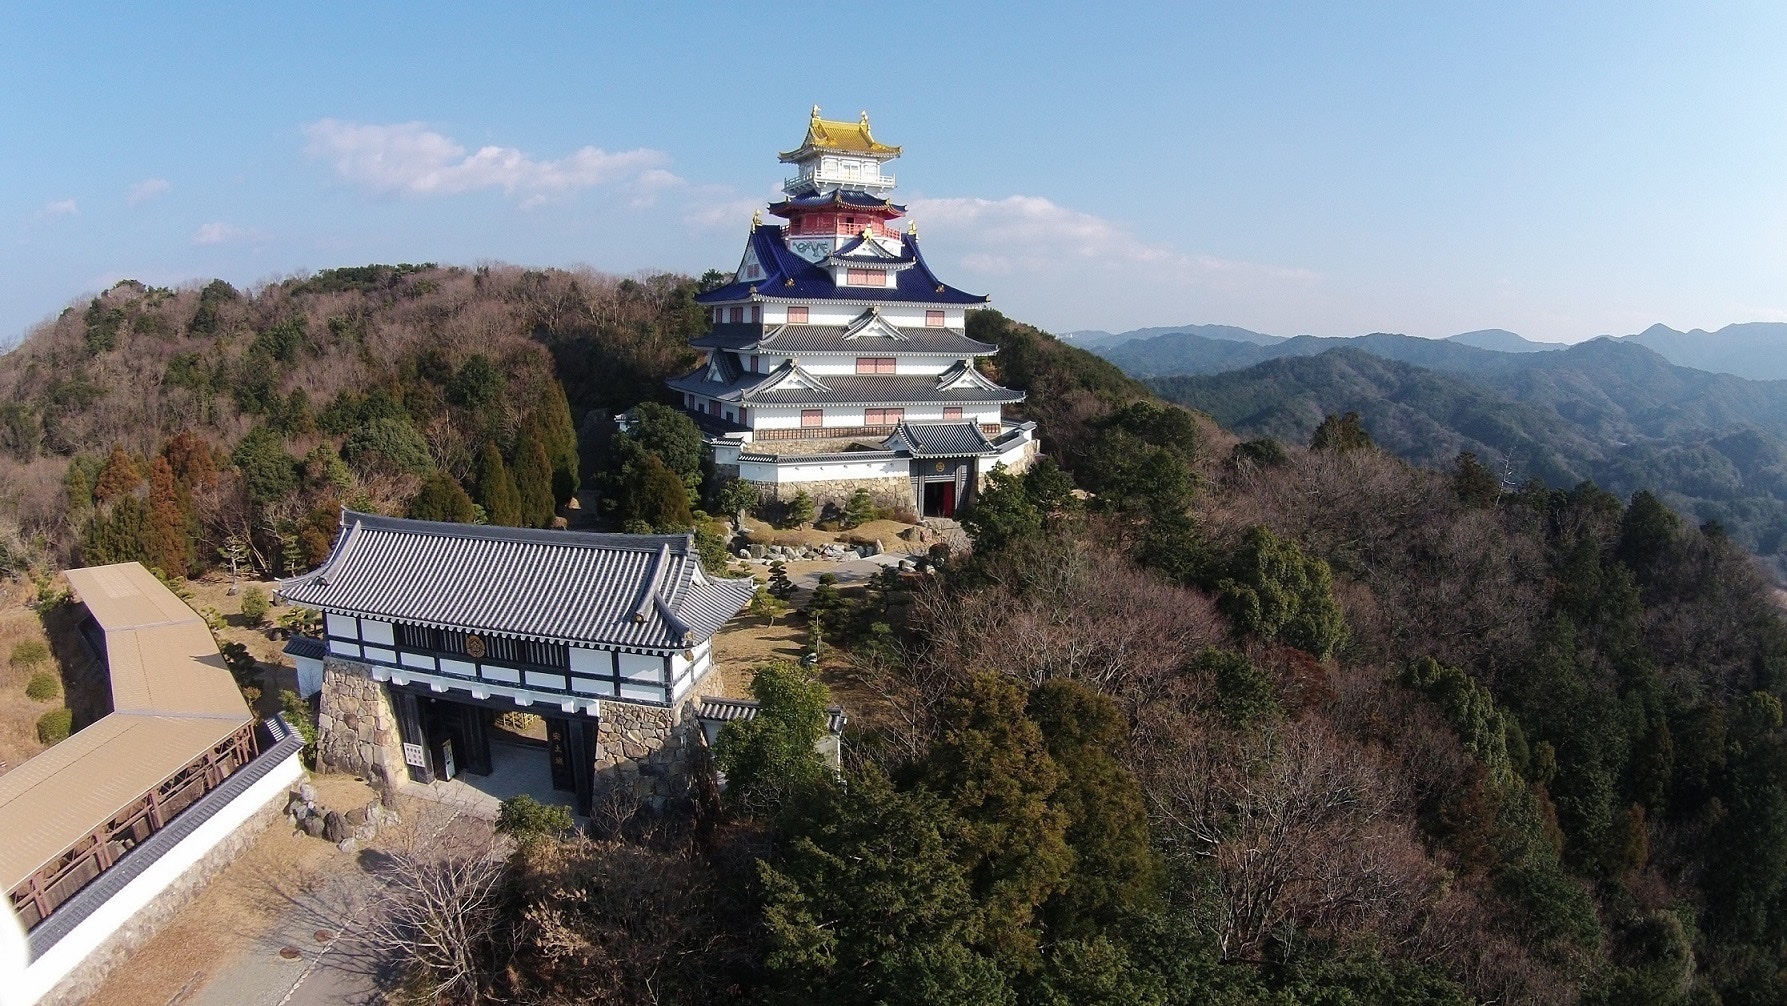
1240 722
1710 445
181 427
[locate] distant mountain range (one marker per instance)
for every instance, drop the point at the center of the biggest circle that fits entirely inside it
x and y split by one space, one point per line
1755 350
1713 446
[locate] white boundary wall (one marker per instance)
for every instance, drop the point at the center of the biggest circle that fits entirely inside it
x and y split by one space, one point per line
23 984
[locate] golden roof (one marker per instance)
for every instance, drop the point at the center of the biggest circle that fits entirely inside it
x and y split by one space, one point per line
833 136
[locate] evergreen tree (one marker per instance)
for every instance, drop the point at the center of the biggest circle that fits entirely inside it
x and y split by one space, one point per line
671 435
991 764
1107 822
866 905
772 758
442 499
800 510
166 546
655 497
1341 434
558 434
268 471
1474 485
1275 592
496 487
533 483
115 533
859 509
119 476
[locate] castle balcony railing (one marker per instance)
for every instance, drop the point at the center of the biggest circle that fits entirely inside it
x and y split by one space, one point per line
839 178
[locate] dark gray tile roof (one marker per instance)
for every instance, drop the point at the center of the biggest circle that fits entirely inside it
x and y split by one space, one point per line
721 710
622 590
845 389
305 646
829 340
940 440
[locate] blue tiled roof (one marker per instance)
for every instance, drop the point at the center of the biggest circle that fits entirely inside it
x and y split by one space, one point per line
790 277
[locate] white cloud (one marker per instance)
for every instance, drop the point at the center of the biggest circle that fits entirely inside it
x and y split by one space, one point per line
1030 233
146 190
217 232
59 208
409 159
1067 269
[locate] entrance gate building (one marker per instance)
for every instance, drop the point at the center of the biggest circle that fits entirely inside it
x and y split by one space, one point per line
431 630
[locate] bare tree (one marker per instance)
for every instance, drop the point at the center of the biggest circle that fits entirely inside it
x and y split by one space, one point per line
438 917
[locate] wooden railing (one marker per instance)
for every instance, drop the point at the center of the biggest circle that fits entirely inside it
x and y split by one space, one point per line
84 861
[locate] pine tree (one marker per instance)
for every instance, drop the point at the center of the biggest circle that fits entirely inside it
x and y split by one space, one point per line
496 487
166 546
533 483
800 510
860 509
118 477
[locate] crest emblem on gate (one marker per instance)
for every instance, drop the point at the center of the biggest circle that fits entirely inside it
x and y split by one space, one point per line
474 647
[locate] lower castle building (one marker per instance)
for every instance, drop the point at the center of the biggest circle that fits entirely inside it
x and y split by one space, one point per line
431 631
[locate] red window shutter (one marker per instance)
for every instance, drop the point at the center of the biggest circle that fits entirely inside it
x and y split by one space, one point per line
812 417
884 365
952 412
866 277
893 416
933 319
797 316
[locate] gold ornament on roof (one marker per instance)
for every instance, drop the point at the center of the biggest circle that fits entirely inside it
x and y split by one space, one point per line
756 219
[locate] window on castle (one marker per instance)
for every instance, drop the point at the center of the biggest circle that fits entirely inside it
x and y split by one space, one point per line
866 277
883 417
756 314
933 319
874 364
797 316
737 315
812 417
952 412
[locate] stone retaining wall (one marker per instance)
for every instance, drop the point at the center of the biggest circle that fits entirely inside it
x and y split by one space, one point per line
891 493
654 756
356 727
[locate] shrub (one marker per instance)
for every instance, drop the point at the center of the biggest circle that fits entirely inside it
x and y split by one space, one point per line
524 817
297 713
41 687
800 510
30 653
254 605
241 663
55 725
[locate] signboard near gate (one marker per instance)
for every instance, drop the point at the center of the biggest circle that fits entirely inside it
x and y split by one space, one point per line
414 756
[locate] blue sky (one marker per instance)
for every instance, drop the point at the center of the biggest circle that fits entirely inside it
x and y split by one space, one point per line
1561 170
